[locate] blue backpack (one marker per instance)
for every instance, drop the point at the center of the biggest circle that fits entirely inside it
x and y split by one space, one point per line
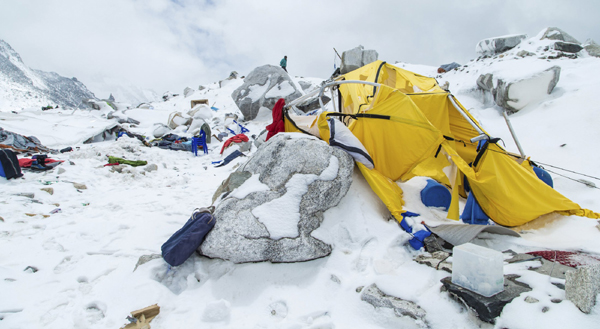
184 242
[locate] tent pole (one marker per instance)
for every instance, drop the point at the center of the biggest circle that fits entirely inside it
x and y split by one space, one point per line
514 136
460 110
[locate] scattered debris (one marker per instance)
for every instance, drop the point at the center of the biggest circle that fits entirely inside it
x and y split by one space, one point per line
31 269
436 260
141 318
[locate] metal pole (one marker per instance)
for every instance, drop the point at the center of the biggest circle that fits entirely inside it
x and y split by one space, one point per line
514 136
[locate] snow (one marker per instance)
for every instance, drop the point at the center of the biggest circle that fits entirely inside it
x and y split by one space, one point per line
86 254
288 205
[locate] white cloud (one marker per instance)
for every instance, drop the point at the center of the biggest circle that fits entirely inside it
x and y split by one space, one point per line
168 45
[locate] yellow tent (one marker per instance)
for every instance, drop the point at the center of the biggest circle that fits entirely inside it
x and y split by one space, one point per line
412 127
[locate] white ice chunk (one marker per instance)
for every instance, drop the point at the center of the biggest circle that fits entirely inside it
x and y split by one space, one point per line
478 269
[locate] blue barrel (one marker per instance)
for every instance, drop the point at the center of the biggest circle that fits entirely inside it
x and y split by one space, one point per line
544 176
436 195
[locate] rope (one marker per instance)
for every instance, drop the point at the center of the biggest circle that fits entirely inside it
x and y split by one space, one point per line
549 165
573 179
571 171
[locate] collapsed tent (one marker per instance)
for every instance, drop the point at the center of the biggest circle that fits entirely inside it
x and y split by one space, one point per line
412 127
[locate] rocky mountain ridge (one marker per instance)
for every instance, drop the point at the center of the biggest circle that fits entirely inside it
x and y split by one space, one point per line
21 86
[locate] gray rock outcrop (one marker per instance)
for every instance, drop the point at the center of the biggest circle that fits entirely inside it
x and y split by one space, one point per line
187 91
582 286
514 96
554 33
262 88
567 47
285 188
401 307
357 57
498 45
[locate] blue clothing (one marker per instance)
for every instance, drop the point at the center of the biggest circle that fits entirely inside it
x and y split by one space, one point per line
283 63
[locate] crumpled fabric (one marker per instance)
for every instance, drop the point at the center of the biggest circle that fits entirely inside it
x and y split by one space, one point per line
22 143
278 124
235 139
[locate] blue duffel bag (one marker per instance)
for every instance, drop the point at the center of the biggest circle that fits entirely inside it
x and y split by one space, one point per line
184 242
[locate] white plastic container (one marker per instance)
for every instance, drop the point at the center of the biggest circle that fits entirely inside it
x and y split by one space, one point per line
478 269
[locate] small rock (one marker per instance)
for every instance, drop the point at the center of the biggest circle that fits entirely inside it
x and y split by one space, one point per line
71 163
151 167
61 171
31 269
582 286
377 298
545 309
27 195
1 219
556 300
359 289
80 186
48 189
117 168
335 279
531 300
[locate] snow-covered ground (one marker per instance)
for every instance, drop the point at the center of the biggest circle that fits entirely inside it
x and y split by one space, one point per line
76 268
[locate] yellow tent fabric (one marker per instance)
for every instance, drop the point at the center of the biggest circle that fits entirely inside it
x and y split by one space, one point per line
404 124
509 193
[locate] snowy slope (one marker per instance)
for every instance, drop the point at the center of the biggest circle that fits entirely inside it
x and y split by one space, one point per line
85 255
23 87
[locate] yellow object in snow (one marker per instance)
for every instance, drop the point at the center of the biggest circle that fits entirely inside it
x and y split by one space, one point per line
412 127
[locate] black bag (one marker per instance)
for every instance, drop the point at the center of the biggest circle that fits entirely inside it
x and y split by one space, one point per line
9 164
184 242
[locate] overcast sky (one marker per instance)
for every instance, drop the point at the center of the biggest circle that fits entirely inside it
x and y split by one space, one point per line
166 45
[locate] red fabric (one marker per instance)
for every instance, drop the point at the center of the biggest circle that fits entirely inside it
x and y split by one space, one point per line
278 125
235 139
26 163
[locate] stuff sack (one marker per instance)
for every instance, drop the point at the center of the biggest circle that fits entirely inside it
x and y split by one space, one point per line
184 242
9 164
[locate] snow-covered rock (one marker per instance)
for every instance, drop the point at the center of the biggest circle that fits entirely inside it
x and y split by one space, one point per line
271 215
262 88
554 33
514 96
498 45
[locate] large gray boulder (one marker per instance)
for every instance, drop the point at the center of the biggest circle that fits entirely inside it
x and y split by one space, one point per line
357 57
554 33
592 48
514 96
498 45
270 216
262 88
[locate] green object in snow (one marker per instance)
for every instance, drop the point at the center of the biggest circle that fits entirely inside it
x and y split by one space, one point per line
132 163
